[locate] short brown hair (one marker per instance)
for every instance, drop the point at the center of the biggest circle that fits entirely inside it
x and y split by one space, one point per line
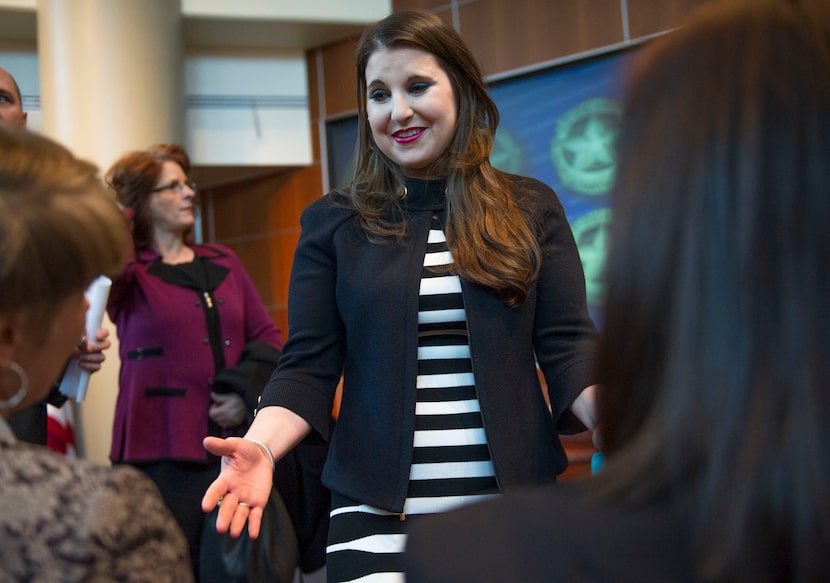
59 227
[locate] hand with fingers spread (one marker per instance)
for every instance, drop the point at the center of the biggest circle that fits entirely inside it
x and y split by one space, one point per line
243 486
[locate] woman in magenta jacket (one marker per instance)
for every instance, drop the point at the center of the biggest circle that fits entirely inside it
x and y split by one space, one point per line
190 325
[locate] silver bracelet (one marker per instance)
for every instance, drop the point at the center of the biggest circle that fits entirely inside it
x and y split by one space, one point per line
266 450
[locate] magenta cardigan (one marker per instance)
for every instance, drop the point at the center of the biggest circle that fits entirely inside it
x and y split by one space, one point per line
167 332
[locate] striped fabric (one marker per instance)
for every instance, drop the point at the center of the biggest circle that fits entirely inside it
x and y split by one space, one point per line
451 464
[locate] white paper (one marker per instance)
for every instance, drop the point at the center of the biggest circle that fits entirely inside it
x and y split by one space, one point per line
76 380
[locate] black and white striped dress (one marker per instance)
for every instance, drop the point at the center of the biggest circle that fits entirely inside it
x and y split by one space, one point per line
451 464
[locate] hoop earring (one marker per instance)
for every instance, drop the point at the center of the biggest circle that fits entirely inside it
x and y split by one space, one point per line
15 399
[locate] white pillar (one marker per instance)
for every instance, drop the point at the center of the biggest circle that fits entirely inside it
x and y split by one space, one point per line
111 74
111 78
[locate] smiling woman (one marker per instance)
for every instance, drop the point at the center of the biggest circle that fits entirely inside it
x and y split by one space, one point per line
431 285
411 109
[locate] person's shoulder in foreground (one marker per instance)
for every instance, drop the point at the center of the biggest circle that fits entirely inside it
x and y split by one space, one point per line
552 533
74 520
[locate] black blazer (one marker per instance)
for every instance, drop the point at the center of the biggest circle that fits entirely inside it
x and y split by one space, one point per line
353 308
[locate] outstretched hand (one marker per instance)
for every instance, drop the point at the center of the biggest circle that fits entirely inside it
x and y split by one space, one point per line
242 488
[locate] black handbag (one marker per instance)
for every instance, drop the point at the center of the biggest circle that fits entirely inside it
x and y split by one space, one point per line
271 557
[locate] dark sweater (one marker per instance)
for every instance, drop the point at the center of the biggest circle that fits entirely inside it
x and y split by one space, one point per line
550 534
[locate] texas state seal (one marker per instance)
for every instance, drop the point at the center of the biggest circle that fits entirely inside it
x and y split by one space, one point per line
582 149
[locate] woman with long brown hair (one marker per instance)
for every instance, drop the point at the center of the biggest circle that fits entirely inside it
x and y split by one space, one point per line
434 284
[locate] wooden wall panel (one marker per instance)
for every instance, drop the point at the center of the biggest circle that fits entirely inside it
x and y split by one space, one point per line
281 248
255 253
260 220
254 206
302 188
646 17
505 35
340 85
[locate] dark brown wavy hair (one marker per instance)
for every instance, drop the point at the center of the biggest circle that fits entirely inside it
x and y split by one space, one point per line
133 177
717 315
493 241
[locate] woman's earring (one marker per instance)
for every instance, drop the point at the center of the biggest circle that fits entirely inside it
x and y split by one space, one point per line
15 399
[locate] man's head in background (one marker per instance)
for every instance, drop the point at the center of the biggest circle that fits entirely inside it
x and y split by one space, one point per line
11 108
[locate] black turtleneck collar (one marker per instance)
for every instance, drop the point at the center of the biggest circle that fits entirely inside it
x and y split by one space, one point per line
425 195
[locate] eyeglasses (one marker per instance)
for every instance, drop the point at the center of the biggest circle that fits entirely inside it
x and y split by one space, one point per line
177 186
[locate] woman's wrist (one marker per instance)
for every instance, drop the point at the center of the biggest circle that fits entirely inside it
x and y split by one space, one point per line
265 450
